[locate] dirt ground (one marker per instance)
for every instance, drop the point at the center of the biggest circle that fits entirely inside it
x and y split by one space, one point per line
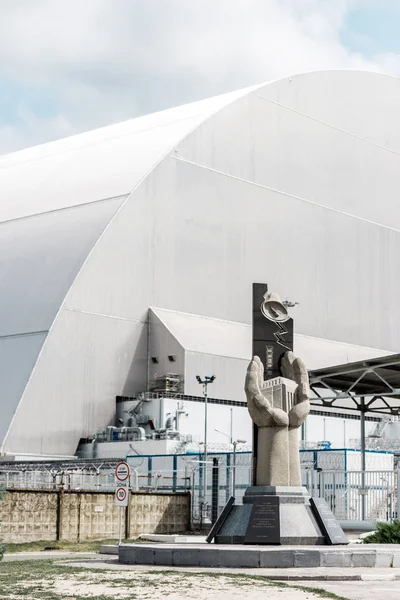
47 580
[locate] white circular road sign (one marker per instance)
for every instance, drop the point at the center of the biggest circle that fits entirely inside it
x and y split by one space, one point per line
122 471
120 494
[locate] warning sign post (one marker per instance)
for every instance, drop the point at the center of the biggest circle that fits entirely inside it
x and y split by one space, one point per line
122 472
121 497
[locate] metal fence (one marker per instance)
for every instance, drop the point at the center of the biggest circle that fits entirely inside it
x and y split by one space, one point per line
352 495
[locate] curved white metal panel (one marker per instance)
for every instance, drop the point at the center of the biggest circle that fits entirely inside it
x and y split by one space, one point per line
361 103
259 192
18 355
99 164
39 259
73 390
283 150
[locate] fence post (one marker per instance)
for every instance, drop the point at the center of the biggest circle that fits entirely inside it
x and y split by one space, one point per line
398 492
215 491
228 476
60 494
78 532
127 517
174 472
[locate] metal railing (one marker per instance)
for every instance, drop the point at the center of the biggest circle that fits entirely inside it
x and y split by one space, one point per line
352 495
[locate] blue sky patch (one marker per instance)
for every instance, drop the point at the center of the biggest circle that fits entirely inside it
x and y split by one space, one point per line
372 28
42 101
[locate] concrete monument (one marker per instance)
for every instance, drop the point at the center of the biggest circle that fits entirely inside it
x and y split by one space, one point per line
276 509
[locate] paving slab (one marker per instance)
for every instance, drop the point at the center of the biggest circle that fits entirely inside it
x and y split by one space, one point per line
109 549
382 589
57 554
284 574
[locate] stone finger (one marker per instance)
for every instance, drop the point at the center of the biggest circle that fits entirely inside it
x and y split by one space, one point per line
262 403
281 418
255 413
287 365
251 384
301 378
299 413
260 371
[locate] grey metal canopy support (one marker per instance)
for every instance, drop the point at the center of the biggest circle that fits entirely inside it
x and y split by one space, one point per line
342 386
371 386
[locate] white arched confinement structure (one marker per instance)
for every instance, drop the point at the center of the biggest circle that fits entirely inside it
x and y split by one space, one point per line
294 183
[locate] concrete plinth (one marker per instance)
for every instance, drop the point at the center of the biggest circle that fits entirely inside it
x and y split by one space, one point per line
298 525
202 555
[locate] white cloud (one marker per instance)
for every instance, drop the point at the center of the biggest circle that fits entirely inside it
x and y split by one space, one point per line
110 60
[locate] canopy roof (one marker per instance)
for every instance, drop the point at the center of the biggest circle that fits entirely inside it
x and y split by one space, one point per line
367 385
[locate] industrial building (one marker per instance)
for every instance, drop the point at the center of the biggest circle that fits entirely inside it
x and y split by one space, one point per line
127 257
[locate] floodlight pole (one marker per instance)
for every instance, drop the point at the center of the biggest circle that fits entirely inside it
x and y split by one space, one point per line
204 382
362 432
235 443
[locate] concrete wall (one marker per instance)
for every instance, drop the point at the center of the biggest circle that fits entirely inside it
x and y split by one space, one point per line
27 516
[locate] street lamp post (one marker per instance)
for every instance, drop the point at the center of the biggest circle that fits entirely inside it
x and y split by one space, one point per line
204 382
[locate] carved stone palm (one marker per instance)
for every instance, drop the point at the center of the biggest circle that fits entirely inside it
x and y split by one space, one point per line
278 460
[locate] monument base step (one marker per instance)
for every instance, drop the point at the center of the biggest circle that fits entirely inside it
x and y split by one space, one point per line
273 516
298 526
288 557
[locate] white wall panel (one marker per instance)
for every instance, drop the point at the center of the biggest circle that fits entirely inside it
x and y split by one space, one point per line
206 335
17 358
343 272
162 344
229 372
118 278
39 259
365 104
284 150
86 361
219 417
319 353
99 164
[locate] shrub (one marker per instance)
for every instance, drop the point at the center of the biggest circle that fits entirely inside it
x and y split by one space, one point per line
386 533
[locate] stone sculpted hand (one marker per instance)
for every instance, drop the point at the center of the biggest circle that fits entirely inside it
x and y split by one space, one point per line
277 459
260 405
295 369
260 408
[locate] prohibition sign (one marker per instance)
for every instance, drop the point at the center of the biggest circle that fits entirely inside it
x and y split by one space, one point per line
122 471
120 494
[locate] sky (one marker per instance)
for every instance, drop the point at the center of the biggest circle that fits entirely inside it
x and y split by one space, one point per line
68 66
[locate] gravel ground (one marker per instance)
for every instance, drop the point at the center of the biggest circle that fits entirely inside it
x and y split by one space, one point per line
49 580
177 586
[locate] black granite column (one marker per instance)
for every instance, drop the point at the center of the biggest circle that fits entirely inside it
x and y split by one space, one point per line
270 342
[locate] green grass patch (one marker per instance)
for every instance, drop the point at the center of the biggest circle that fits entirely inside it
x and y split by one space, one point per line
84 546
